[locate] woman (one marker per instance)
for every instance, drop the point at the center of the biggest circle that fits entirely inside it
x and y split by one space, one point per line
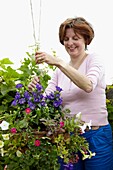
83 84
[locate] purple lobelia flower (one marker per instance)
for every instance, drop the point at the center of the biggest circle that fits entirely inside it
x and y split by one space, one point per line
58 89
14 103
39 87
18 86
26 95
50 96
68 166
34 94
22 101
17 96
31 105
57 103
43 103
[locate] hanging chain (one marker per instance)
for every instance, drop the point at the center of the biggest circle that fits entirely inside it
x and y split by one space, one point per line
34 35
39 20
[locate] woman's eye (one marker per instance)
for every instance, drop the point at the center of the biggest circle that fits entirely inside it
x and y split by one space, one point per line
65 39
75 38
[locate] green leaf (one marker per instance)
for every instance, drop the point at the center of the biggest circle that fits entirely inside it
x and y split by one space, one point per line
6 61
23 124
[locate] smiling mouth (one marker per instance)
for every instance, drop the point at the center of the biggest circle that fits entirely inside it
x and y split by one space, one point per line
72 49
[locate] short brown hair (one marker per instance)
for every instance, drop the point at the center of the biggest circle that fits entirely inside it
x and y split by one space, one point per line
80 26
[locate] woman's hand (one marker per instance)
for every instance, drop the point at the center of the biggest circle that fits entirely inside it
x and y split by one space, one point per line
5 167
33 83
41 57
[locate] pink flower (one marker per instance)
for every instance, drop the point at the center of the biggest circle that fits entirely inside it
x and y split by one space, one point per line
37 142
27 110
61 124
13 130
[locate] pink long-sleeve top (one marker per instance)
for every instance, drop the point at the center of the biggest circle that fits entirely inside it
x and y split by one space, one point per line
91 105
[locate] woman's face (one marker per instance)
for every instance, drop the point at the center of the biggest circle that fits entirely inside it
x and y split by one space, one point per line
74 43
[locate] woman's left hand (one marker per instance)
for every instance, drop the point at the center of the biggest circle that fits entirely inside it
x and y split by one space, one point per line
5 167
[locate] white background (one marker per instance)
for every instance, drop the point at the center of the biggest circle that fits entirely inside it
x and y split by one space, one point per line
16 29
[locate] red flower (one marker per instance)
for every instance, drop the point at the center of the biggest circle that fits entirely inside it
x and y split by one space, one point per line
27 110
37 142
61 124
13 130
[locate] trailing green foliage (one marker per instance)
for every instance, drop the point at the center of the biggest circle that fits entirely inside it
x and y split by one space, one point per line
109 103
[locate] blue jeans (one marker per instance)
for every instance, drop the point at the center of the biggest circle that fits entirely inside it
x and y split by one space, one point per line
100 142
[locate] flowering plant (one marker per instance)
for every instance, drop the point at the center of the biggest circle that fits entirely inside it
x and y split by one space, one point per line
37 131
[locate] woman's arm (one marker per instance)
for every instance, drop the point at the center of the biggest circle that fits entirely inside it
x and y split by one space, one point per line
77 78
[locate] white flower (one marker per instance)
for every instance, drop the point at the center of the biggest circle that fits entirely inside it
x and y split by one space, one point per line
78 115
83 128
91 154
89 124
49 133
5 136
2 151
4 125
18 153
85 157
1 144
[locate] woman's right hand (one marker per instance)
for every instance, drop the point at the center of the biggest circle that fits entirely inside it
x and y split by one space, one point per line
33 83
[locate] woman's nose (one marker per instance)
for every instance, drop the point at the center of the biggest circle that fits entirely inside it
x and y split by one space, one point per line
70 42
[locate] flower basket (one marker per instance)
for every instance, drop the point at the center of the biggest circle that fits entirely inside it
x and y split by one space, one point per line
37 131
